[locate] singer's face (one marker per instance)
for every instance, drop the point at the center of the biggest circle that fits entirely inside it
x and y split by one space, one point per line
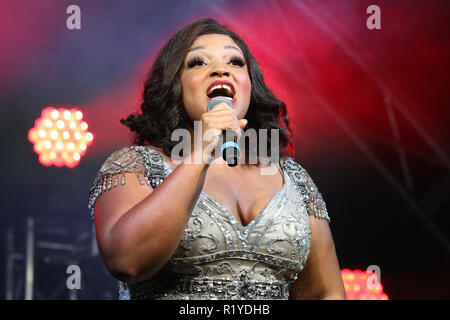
214 57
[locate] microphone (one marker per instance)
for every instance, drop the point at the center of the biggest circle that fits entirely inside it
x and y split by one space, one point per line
230 148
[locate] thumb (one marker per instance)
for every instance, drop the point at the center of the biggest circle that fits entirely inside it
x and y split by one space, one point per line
243 123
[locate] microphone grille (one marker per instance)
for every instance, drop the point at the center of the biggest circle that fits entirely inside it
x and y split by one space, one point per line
216 100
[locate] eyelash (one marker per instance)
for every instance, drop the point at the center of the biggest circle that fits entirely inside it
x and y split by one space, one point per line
196 60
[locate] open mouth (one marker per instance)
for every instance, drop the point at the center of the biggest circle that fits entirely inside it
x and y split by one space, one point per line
221 90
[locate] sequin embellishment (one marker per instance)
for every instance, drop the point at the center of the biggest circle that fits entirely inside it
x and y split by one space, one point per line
217 257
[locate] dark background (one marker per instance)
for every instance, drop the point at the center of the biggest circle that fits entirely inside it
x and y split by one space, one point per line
370 109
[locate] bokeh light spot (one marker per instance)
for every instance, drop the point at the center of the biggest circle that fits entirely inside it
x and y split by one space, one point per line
361 285
60 137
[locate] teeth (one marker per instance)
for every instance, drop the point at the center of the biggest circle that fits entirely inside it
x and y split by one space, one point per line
219 86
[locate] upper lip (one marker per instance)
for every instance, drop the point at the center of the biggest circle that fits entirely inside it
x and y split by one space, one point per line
221 82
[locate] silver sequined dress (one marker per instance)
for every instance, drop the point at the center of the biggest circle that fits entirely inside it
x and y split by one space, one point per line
219 258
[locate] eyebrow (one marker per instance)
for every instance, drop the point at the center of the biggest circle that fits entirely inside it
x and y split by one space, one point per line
203 47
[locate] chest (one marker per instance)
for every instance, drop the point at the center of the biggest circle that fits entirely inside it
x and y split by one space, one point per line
243 192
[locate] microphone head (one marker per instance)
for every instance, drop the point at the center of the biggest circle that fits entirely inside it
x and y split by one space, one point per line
216 100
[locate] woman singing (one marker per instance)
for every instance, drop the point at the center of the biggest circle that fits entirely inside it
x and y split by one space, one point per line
202 229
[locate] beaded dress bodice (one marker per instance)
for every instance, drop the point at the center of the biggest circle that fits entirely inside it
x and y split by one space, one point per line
218 257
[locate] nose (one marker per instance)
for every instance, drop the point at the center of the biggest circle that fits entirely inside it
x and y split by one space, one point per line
219 71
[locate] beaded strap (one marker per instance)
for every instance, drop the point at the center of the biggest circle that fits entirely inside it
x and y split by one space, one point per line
311 195
145 162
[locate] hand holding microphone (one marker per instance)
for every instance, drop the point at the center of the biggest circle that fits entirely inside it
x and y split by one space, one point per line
220 115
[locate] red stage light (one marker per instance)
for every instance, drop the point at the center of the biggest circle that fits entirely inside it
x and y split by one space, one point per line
60 137
362 285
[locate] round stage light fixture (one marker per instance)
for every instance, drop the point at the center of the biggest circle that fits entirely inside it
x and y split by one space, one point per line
60 137
362 285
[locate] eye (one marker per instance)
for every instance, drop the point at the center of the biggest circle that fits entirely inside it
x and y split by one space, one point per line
195 62
236 60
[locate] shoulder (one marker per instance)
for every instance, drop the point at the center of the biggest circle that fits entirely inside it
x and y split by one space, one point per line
297 171
307 187
141 160
128 159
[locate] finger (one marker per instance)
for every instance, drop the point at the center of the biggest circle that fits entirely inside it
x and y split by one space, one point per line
227 112
220 106
237 130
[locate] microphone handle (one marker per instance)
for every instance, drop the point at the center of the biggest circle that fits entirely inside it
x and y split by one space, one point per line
230 149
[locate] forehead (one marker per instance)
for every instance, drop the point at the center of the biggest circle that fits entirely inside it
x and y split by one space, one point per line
213 40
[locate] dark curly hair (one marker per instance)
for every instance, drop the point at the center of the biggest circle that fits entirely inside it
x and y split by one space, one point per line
163 110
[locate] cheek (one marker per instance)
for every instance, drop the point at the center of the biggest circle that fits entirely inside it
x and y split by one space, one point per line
245 83
188 89
191 85
185 87
246 90
247 87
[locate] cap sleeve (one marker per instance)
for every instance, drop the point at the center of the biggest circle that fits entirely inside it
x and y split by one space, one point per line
312 197
112 172
317 206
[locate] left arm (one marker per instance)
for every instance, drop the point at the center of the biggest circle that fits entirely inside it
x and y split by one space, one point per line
321 276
